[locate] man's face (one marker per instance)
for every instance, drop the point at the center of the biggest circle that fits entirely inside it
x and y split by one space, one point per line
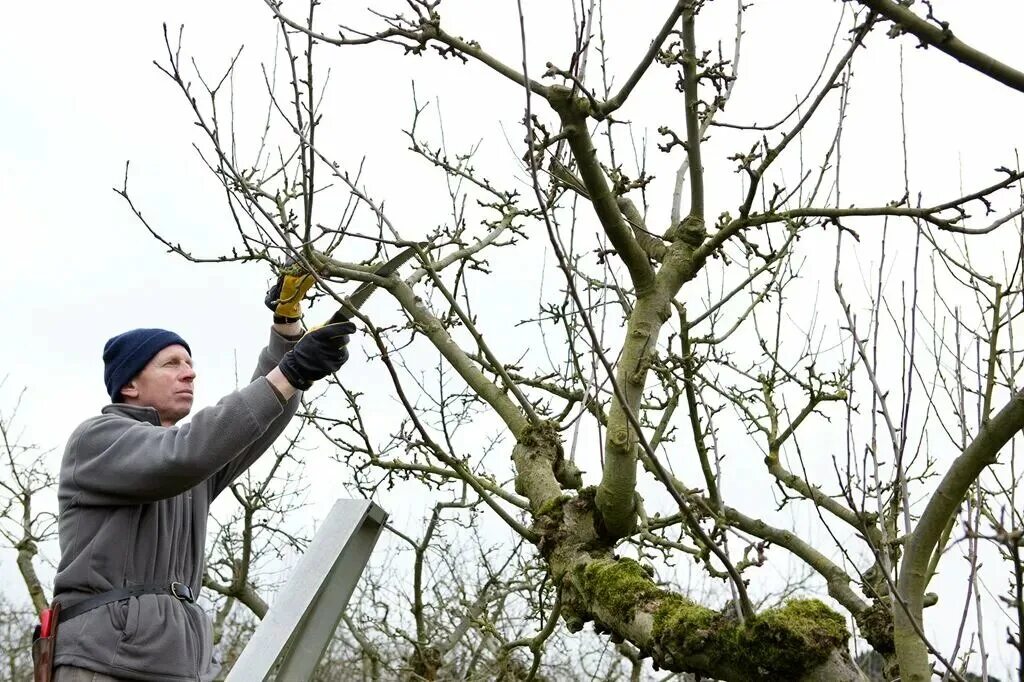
165 384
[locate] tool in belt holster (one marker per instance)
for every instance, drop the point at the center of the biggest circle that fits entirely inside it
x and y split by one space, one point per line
44 641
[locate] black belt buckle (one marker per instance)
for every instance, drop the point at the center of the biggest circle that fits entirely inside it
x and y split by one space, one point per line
182 591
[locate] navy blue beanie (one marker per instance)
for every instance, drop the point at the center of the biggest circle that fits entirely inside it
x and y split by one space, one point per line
125 355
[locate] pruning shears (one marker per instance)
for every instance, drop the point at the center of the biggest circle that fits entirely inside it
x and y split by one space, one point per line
352 303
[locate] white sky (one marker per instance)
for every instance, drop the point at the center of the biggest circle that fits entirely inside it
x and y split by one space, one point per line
80 96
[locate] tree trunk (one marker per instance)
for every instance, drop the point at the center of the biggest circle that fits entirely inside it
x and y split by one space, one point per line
26 552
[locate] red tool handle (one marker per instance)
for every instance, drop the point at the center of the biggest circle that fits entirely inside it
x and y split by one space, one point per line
45 622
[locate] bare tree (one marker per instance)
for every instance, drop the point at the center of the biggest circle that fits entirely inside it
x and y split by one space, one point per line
16 639
26 519
675 345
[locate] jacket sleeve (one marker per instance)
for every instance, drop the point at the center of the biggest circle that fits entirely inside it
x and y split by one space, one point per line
268 360
113 460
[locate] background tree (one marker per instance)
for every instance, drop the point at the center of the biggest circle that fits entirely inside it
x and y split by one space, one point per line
16 639
27 519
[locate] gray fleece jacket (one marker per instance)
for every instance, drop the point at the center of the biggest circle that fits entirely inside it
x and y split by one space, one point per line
133 500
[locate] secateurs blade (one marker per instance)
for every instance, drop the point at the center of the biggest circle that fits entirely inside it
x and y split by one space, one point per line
363 291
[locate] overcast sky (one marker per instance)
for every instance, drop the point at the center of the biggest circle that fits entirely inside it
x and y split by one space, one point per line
80 97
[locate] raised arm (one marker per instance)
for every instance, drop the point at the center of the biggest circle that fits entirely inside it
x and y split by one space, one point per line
114 459
289 364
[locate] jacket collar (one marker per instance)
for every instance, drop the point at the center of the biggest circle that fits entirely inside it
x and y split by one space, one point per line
137 412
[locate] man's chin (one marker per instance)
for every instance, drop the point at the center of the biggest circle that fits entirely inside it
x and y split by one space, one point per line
178 413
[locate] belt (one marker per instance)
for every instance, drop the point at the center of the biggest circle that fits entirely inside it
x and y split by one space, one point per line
175 589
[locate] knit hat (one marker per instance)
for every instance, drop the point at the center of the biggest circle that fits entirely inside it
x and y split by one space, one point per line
125 355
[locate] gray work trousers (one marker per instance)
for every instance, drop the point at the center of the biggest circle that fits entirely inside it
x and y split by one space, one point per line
68 673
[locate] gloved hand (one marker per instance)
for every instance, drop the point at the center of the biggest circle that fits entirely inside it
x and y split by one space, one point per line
320 352
285 297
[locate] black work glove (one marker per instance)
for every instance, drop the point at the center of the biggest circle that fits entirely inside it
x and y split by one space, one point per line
320 352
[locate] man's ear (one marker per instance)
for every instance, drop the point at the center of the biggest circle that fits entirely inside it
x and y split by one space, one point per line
129 390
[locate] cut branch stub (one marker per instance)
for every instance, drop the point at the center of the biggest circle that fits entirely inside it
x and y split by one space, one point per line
538 455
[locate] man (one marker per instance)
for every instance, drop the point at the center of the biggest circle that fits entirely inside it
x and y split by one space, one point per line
135 490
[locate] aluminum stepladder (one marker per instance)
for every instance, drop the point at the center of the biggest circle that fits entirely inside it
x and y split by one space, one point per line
290 640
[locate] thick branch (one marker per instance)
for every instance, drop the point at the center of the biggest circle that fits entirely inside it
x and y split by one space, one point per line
574 124
653 246
618 480
941 38
246 594
942 506
802 641
26 552
807 640
693 132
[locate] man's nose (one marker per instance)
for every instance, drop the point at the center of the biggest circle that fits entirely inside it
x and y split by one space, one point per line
189 374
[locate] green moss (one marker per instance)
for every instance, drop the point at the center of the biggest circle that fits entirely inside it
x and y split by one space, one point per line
787 641
619 586
685 627
778 644
542 435
553 507
585 496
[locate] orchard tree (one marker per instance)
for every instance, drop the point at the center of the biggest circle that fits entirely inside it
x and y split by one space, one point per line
625 402
27 520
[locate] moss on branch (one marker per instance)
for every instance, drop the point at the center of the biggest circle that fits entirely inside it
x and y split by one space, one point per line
783 643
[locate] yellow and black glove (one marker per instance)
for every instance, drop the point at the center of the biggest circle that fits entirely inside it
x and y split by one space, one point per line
285 296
